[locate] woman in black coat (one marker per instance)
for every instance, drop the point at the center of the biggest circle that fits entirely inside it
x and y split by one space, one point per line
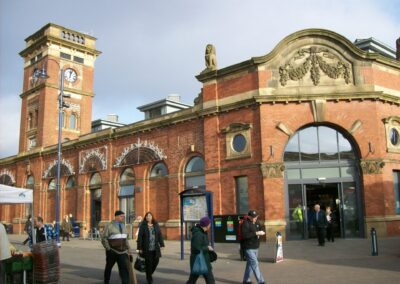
149 244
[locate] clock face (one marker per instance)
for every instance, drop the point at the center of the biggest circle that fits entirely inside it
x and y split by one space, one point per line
70 75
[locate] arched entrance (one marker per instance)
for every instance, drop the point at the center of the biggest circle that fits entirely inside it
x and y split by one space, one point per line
95 200
321 166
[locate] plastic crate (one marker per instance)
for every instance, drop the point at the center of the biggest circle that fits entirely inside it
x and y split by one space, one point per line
14 265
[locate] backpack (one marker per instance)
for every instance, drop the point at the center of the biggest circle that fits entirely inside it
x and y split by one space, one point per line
239 235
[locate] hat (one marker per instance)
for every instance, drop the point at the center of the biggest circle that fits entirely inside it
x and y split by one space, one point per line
119 212
252 213
205 221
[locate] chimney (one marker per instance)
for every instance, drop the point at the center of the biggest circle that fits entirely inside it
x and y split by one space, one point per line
112 117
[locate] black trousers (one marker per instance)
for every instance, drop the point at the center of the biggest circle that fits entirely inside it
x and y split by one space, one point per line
151 261
122 260
321 235
65 234
330 233
209 277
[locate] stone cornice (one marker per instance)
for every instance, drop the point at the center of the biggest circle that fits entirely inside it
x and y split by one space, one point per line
53 86
48 38
376 96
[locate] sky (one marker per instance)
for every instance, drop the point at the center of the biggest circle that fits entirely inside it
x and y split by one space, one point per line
154 48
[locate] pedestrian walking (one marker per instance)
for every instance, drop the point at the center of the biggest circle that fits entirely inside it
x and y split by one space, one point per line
43 232
28 229
320 224
251 233
115 241
330 234
66 228
149 243
199 244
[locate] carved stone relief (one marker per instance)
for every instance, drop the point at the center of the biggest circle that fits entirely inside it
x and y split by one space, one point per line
372 166
66 169
93 160
314 60
272 170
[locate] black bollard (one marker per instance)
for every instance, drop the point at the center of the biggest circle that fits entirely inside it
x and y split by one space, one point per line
374 242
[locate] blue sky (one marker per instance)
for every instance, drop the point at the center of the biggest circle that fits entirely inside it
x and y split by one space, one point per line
155 48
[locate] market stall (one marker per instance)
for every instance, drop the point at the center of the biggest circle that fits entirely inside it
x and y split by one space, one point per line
20 265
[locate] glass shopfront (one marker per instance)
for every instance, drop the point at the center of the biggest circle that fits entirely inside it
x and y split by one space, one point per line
321 166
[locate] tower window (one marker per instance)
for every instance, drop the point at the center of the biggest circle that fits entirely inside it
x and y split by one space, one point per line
65 55
78 59
72 121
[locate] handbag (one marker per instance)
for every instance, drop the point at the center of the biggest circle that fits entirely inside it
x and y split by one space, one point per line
140 264
199 265
213 255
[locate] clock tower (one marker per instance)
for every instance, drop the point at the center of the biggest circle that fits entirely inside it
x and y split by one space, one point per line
49 51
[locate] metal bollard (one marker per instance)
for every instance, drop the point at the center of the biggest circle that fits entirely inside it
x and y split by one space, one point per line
374 242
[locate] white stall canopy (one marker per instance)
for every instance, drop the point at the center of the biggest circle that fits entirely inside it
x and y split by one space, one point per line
10 194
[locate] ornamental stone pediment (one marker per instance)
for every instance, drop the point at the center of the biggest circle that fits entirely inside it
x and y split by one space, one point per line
315 65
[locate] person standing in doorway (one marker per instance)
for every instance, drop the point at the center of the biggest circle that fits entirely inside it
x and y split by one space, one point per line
320 224
66 227
115 241
199 243
330 221
251 242
149 244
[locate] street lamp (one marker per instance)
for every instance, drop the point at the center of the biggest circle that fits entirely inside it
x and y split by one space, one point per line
61 105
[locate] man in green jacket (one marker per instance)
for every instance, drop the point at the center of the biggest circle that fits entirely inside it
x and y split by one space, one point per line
199 243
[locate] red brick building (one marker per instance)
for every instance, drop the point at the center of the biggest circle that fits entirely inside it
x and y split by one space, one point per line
315 120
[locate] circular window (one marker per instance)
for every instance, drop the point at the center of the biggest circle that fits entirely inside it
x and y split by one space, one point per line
239 143
394 136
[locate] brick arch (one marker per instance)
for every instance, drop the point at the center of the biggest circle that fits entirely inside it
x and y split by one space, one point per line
7 177
66 169
139 153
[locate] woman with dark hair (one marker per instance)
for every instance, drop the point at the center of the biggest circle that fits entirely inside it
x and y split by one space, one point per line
149 244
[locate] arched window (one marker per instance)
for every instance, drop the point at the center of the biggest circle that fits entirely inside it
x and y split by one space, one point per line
30 182
72 121
95 181
159 170
6 179
52 184
318 143
127 195
70 183
194 173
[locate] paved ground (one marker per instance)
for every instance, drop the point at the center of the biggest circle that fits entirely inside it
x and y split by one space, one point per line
344 261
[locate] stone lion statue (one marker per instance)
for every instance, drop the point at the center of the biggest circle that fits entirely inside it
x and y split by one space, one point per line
211 58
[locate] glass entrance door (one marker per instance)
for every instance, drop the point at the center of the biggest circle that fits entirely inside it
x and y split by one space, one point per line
351 212
324 194
95 207
296 212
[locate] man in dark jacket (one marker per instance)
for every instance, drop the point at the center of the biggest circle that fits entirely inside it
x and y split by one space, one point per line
199 243
320 224
251 243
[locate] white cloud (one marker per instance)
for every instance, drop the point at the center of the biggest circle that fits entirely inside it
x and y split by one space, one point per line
154 48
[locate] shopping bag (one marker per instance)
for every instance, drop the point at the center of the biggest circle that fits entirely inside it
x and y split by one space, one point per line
200 265
140 264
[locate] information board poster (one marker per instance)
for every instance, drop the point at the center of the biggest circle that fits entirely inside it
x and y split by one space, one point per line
194 208
278 248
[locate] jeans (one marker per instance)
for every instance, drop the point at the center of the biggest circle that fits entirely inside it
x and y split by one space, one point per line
252 266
